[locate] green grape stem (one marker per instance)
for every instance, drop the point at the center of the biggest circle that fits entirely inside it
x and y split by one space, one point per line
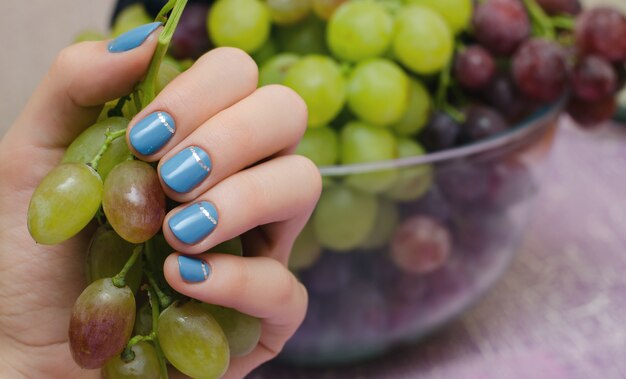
119 280
110 137
154 304
128 354
164 300
542 24
117 110
147 88
564 22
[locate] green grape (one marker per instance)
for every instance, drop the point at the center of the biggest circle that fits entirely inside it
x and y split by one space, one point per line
101 323
456 13
145 365
319 81
242 331
362 143
168 71
89 35
418 111
359 30
304 38
306 249
266 52
344 218
85 147
239 23
193 341
133 201
274 70
378 91
325 8
143 320
413 181
232 247
64 203
321 145
106 256
285 12
387 219
422 40
131 17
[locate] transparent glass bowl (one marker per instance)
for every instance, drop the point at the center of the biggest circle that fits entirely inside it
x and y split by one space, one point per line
405 283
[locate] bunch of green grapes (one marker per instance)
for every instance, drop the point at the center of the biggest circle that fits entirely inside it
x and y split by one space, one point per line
99 180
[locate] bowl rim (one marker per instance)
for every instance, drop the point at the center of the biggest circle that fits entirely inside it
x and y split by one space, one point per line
518 132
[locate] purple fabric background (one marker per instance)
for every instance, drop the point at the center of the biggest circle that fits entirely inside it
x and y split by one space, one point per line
560 311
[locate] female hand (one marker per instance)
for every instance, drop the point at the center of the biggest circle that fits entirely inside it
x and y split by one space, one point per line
224 148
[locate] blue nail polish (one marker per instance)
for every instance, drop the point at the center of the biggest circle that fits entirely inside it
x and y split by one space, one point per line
194 223
186 169
151 133
193 270
132 38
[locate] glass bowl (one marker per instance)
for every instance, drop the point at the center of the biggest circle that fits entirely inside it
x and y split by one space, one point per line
387 268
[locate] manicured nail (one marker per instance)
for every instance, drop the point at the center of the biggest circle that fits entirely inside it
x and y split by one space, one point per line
151 133
193 270
186 169
132 38
194 223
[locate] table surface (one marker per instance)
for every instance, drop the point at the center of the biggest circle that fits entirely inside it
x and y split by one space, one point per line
560 311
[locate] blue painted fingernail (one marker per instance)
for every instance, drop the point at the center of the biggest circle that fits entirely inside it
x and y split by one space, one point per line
194 223
186 169
132 38
193 270
151 133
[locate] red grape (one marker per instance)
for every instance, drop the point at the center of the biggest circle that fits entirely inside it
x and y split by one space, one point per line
501 25
602 31
556 7
440 133
591 114
593 79
474 67
502 94
420 245
480 123
540 69
191 40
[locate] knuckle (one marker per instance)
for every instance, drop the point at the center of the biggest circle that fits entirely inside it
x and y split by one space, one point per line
311 174
64 61
287 287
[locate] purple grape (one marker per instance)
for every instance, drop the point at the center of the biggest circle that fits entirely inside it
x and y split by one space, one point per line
602 31
540 70
501 25
558 7
474 68
591 114
594 79
464 183
480 123
502 94
440 133
191 39
332 272
432 204
420 245
511 182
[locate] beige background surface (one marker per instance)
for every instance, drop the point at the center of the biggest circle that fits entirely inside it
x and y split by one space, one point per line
33 31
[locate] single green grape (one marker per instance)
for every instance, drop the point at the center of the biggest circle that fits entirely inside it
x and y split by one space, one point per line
64 203
193 341
85 147
324 9
456 13
168 71
361 143
304 38
344 218
321 145
106 256
320 82
129 18
239 23
422 40
306 249
286 12
417 113
145 365
241 330
143 320
274 70
378 91
359 30
387 219
413 181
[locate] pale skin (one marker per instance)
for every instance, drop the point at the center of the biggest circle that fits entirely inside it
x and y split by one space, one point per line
260 190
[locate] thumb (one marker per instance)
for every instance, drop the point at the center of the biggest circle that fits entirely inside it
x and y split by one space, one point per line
83 77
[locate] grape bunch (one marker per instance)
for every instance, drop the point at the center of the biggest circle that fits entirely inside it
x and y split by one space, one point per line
128 321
